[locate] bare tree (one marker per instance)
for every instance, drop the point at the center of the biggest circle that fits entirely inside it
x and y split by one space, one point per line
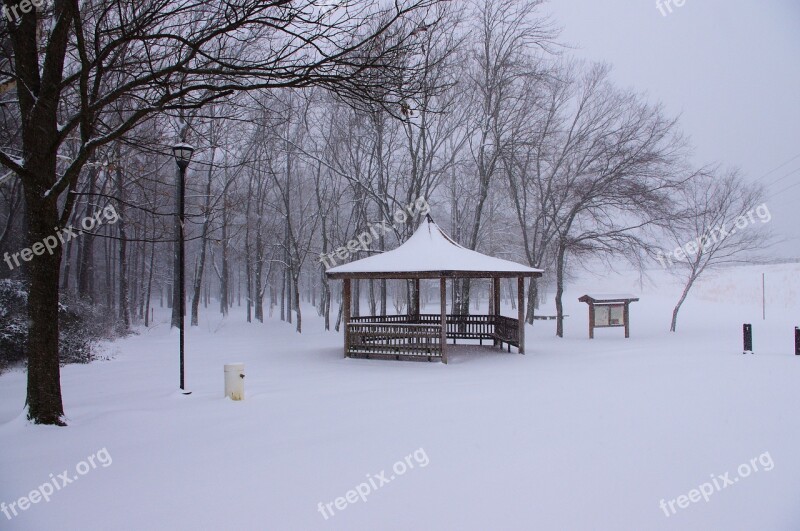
73 62
507 35
719 225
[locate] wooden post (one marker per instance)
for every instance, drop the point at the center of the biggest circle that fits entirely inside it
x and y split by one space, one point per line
443 304
521 313
496 297
591 321
796 341
415 295
496 282
346 314
627 316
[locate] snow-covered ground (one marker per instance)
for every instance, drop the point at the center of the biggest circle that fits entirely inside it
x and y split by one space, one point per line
577 434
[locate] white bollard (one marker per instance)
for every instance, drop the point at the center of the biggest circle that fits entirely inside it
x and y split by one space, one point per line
234 381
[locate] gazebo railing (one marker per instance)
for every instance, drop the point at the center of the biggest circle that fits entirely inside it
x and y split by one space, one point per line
394 340
507 330
388 334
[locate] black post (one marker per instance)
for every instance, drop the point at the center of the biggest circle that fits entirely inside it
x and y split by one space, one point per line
183 154
748 338
181 199
796 341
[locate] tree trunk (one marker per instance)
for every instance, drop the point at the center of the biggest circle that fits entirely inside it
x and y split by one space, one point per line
258 283
327 304
201 266
560 259
124 303
110 304
258 303
288 292
224 281
533 296
283 294
150 285
463 302
248 258
140 289
86 273
296 282
249 286
67 268
124 306
339 316
382 291
44 374
373 303
356 298
673 326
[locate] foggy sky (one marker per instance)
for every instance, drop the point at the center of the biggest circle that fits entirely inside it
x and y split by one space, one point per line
729 68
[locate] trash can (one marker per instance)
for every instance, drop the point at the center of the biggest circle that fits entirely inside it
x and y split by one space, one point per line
234 381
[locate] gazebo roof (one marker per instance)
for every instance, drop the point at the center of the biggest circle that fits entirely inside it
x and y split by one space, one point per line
430 253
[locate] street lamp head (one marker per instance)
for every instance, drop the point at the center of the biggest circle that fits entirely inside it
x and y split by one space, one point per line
183 154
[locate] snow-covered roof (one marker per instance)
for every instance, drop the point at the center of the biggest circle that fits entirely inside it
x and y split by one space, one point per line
609 297
430 253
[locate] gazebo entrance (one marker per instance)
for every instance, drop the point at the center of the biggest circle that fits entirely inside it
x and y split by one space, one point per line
430 255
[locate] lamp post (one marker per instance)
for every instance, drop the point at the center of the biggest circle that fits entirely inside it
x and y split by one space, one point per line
183 155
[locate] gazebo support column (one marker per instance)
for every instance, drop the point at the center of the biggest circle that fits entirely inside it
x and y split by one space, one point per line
627 316
346 314
443 305
496 299
521 312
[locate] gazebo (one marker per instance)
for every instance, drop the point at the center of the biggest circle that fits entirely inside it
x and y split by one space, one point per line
429 254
